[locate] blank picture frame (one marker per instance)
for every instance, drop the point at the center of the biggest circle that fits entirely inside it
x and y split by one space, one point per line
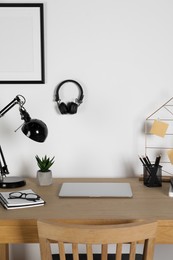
22 43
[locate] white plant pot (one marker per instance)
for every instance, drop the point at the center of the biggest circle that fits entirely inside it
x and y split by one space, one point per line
44 178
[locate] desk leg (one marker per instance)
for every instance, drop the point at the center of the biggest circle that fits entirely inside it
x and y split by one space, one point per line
4 252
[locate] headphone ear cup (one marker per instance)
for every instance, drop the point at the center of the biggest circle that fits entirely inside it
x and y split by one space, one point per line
63 108
72 108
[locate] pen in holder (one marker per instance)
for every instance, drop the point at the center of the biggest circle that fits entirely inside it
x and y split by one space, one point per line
152 173
152 176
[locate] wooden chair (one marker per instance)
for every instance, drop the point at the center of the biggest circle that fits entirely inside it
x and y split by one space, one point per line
119 234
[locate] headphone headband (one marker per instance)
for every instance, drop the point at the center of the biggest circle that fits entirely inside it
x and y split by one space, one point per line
81 96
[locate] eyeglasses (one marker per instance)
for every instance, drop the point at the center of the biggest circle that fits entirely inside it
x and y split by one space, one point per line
26 196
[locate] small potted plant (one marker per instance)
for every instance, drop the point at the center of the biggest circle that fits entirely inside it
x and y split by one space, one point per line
44 174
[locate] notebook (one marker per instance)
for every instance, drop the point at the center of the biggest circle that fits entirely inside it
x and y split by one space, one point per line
17 203
95 189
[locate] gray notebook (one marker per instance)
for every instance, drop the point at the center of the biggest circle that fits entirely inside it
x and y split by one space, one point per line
95 189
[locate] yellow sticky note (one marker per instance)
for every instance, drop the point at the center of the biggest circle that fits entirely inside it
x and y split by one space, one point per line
170 155
159 128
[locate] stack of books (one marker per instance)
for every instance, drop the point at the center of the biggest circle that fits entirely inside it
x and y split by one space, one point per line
9 200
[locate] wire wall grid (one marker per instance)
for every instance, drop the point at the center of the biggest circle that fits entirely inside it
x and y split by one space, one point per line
156 145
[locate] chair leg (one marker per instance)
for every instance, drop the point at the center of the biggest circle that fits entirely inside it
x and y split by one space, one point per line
4 251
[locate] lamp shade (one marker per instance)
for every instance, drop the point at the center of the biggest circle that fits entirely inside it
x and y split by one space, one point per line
36 130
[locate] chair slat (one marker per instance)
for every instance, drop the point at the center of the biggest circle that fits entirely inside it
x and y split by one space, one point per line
132 251
119 251
89 252
75 251
104 252
61 250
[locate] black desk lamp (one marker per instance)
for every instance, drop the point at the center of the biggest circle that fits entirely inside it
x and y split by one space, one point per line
33 128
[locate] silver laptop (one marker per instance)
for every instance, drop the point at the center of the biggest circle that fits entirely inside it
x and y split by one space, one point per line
95 189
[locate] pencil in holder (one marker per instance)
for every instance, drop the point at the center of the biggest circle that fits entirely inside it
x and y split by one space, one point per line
152 176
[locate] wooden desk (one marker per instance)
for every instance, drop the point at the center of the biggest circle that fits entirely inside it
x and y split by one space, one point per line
19 225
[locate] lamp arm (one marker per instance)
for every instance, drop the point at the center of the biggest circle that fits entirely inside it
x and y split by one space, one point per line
8 107
14 102
3 168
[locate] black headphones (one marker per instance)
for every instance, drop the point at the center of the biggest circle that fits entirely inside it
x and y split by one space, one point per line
71 107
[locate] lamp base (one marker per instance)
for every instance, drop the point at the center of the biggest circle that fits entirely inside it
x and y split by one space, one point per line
12 182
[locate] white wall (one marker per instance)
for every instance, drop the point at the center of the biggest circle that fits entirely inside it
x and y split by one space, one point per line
121 51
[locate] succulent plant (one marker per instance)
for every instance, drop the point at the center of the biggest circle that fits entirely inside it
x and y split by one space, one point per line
44 163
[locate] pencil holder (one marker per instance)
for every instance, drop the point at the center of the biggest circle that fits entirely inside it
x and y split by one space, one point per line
152 177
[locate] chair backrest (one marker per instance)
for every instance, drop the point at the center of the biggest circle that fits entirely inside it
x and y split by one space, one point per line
119 234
